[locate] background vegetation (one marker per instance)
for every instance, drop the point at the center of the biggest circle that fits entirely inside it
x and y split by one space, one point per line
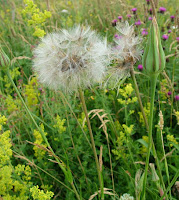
27 168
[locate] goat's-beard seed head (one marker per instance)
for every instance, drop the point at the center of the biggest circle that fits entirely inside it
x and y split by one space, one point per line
71 59
125 53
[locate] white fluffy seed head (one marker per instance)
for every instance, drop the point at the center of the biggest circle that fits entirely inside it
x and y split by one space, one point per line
127 46
126 197
71 59
124 54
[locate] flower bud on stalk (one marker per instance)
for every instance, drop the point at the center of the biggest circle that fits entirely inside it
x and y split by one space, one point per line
153 62
4 59
154 58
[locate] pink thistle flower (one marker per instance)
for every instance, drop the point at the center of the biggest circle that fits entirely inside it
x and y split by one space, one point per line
177 98
162 10
140 67
165 37
144 32
138 23
134 10
120 18
114 22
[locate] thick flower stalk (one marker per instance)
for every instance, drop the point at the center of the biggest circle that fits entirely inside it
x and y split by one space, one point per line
125 53
71 59
154 63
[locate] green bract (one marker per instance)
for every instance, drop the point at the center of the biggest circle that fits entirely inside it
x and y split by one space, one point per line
153 59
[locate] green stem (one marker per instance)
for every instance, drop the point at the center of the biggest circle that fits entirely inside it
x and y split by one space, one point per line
139 99
153 87
39 129
74 189
166 164
92 142
171 184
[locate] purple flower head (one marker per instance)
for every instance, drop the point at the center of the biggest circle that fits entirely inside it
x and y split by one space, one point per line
148 2
140 67
162 10
120 17
169 31
20 80
169 93
134 10
144 32
150 11
177 39
150 18
138 23
177 98
165 37
114 22
40 89
129 16
172 17
117 36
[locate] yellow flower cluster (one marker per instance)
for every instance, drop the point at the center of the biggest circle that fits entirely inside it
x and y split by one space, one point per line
39 151
171 139
3 120
60 124
147 113
7 171
126 92
23 171
11 104
38 194
32 92
5 144
143 149
120 151
14 74
15 180
37 18
128 129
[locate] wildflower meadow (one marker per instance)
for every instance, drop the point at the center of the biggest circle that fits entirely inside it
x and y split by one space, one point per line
89 96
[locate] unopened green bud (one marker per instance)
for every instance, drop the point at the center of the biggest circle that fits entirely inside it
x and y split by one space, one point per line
155 177
4 59
153 59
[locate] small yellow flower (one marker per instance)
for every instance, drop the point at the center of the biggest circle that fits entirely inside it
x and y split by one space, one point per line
60 124
39 32
171 139
92 97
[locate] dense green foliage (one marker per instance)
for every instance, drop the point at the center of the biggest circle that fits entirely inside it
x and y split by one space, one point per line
28 169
